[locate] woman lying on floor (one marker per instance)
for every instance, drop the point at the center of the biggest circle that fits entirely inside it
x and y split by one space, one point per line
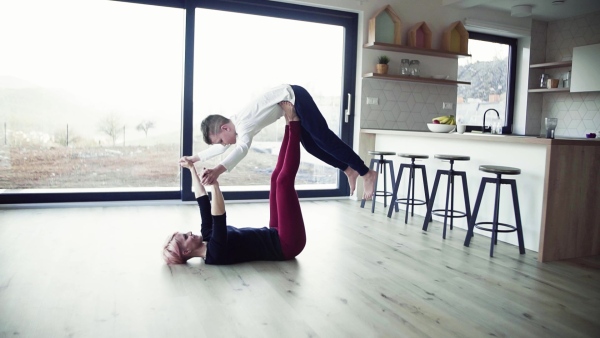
221 244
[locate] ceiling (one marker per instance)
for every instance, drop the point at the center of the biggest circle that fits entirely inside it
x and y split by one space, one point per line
543 10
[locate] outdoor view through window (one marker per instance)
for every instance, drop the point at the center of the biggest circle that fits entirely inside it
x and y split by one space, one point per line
94 102
487 70
235 66
90 99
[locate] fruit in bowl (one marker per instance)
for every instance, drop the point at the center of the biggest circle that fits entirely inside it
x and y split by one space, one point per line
590 135
442 124
441 128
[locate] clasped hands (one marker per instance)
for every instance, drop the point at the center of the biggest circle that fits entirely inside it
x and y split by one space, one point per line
207 176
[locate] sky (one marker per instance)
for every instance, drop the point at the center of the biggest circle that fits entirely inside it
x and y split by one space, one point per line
130 56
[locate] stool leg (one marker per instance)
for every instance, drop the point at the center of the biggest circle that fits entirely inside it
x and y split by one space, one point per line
394 203
451 211
513 186
411 177
391 163
498 181
377 164
371 166
448 197
475 212
424 174
428 215
385 164
384 168
463 175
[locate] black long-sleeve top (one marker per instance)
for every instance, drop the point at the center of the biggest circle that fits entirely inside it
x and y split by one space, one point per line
229 245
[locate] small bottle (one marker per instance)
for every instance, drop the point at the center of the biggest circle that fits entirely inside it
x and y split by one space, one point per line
544 81
404 67
567 80
414 67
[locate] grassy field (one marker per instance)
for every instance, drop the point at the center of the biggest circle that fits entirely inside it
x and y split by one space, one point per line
127 167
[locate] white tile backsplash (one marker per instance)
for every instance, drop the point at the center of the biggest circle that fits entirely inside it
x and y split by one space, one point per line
404 105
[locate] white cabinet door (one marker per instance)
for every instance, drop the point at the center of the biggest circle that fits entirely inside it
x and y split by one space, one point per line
586 69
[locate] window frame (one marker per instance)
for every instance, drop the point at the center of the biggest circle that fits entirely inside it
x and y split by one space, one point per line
347 19
512 75
284 11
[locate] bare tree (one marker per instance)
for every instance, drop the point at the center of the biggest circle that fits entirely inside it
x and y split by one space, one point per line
111 126
145 126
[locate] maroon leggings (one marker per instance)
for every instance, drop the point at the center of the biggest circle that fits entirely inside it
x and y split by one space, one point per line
284 205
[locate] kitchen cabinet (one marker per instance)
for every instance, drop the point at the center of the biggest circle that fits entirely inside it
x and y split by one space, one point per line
586 69
418 51
550 65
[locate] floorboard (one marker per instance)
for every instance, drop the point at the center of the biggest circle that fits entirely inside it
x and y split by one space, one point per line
98 272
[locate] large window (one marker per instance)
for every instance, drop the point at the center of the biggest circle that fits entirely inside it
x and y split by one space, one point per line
98 98
491 70
261 53
90 98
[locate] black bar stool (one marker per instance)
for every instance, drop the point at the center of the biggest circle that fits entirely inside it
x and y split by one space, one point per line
499 171
448 211
410 200
380 166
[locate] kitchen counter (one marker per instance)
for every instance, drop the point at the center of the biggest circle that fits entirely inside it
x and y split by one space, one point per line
558 187
487 137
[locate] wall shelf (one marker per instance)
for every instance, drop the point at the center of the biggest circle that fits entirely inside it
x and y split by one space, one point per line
413 50
547 65
548 90
415 79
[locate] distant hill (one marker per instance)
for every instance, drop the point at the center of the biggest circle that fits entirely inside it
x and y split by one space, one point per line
26 107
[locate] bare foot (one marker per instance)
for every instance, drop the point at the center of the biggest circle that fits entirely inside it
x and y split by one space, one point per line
289 111
369 184
352 177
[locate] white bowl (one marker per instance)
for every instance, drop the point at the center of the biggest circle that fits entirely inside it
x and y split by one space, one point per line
440 77
440 128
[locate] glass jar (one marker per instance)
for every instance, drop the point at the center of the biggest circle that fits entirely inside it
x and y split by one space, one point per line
414 67
404 67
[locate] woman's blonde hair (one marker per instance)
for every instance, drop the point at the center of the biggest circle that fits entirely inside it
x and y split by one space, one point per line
172 251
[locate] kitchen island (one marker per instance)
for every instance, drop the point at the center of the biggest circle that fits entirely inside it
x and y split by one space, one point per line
558 186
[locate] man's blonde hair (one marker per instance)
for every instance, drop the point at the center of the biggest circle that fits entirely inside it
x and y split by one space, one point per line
211 125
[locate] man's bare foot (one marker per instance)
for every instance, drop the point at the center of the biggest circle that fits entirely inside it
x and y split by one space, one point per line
352 177
289 111
369 184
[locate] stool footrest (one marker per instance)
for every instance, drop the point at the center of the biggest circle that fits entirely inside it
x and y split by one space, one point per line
448 213
410 201
382 193
511 228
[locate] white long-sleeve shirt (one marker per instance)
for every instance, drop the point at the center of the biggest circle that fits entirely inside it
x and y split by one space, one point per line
248 122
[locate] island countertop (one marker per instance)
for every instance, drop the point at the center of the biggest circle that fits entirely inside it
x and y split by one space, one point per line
558 185
503 138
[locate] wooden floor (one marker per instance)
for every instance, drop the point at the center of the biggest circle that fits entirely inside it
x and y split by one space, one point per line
98 272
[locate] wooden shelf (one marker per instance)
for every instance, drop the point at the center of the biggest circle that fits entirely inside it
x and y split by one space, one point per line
548 90
413 50
415 79
558 64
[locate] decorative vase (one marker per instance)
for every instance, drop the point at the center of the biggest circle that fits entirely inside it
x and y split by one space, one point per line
381 68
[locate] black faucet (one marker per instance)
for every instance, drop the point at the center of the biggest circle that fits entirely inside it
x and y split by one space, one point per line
483 125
